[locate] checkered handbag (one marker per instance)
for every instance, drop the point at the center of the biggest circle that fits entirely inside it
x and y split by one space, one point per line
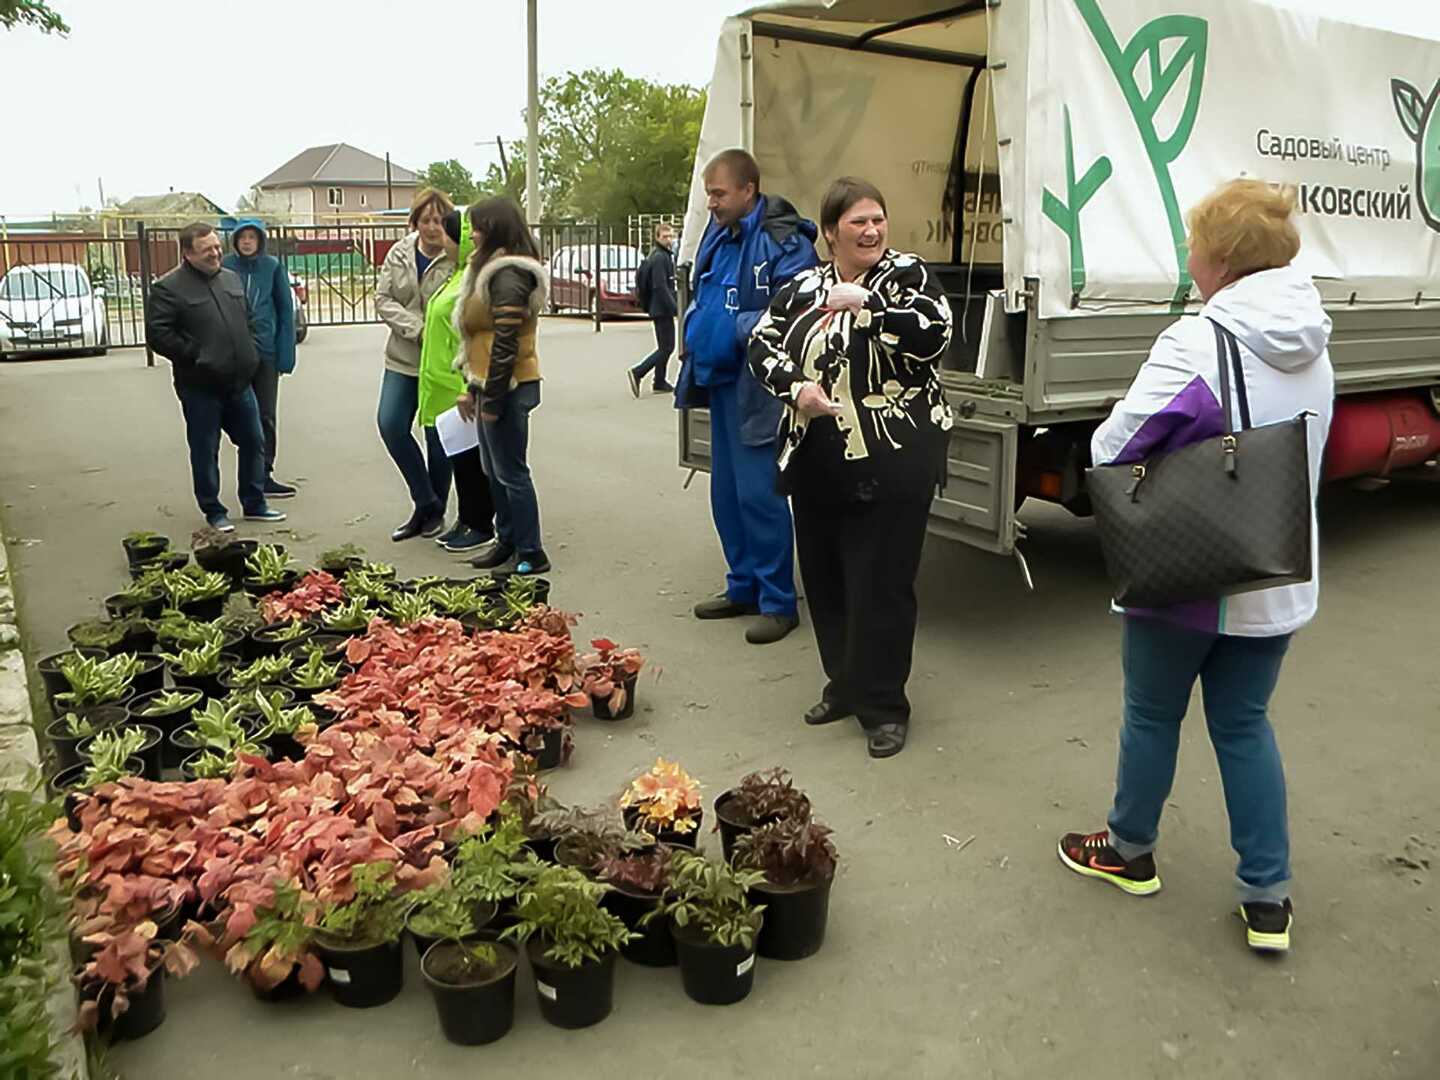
1228 515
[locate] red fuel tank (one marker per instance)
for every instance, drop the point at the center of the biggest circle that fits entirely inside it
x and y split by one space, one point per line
1376 435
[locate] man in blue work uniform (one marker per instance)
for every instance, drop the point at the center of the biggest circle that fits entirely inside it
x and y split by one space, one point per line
753 245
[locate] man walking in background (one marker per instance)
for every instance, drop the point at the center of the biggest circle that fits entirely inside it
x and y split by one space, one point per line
272 314
752 246
198 320
655 290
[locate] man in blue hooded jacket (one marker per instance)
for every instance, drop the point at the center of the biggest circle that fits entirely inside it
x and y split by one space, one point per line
752 246
272 314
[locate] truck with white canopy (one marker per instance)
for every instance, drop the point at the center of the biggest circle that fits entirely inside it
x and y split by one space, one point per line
1042 154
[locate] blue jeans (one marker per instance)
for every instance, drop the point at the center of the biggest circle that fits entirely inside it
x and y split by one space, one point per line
428 475
751 516
503 448
207 413
1237 676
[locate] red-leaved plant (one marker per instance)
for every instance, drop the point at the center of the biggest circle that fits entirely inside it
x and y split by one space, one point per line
606 671
315 592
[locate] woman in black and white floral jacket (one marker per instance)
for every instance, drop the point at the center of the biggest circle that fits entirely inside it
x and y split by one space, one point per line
852 347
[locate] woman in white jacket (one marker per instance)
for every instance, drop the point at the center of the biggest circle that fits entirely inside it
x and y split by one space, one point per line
1242 242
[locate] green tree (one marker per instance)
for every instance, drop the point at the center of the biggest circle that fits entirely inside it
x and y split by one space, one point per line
452 178
31 13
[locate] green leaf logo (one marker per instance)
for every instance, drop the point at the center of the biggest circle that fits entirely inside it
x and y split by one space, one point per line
1066 214
1421 120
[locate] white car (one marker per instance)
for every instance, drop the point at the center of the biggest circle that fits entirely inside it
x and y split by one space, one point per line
51 307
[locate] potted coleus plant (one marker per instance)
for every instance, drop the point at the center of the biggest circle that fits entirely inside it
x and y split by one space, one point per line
665 803
200 667
270 570
168 710
315 675
315 592
759 799
105 768
471 980
609 675
637 880
124 980
339 561
96 682
268 938
715 926
359 940
117 744
141 545
66 733
572 942
797 859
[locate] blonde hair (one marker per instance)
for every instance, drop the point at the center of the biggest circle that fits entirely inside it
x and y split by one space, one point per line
1245 224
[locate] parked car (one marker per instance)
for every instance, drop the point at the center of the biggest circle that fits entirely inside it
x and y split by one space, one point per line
52 308
573 282
300 293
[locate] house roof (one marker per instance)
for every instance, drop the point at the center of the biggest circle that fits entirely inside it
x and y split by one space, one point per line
172 202
338 163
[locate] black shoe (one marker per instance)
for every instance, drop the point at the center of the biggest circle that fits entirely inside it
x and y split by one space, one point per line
274 489
769 629
220 522
497 556
421 523
265 514
1091 855
1267 925
722 607
468 539
534 562
664 388
887 740
827 712
634 382
450 533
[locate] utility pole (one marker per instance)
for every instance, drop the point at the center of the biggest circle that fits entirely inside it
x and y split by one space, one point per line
504 161
532 122
389 187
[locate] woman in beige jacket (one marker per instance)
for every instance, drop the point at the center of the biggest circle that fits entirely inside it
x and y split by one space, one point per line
415 268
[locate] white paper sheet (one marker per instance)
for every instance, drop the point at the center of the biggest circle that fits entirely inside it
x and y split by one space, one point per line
456 433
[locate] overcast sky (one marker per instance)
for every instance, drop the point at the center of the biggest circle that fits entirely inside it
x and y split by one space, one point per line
200 95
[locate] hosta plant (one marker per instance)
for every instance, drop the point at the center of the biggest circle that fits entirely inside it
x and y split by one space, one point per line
664 799
766 796
109 751
78 726
290 630
201 660
101 633
789 852
409 608
179 630
315 673
279 719
218 726
171 702
712 897
268 565
606 671
456 600
263 671
354 615
561 907
93 681
188 585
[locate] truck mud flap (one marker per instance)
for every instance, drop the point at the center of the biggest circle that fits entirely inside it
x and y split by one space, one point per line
977 506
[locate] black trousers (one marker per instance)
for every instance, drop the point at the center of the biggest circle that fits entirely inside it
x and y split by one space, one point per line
858 562
659 360
266 384
472 492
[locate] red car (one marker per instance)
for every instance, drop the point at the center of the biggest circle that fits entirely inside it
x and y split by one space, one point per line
574 283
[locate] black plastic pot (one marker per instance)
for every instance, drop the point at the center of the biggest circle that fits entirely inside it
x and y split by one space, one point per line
209 685
340 567
108 650
65 745
543 847
362 976
631 816
66 786
263 644
185 745
795 919
166 560
151 676
258 589
139 638
120 606
601 706
206 610
90 710
565 855
481 916
150 754
306 693
289 988
48 668
572 997
476 1012
168 723
251 710
655 947
228 560
333 646
551 751
139 551
146 1011
284 748
713 974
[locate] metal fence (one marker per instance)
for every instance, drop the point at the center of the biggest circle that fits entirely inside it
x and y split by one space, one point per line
84 291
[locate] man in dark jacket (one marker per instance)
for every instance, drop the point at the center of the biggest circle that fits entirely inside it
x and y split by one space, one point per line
753 245
655 291
198 320
272 314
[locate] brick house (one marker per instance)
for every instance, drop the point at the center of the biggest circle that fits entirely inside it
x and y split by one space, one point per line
333 183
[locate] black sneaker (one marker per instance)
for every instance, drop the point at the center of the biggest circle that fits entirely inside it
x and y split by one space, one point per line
534 562
664 388
1090 854
468 539
634 382
220 522
274 489
498 555
1267 925
450 533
